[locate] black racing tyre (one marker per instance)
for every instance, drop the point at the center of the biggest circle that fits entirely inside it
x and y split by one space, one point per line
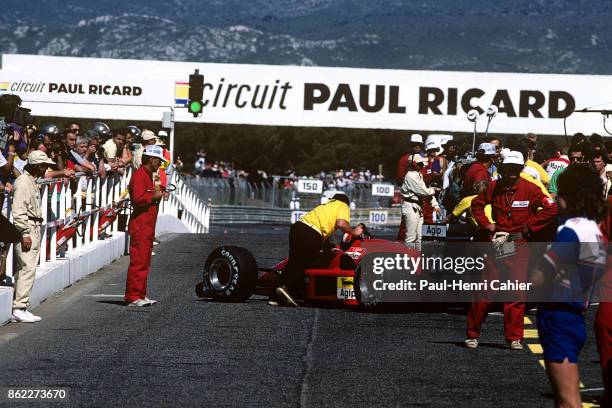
230 274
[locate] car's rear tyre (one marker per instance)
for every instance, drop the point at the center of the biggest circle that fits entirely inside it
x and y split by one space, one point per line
230 274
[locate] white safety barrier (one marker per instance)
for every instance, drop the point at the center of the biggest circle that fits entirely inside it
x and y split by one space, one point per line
186 205
81 231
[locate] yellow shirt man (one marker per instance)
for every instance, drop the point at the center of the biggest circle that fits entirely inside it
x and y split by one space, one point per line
323 217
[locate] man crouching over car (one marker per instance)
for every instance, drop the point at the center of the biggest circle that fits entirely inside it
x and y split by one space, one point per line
306 238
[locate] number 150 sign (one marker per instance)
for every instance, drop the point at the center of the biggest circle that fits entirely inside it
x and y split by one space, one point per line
310 186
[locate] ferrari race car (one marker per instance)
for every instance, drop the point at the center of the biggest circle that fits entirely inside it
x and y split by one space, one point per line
231 273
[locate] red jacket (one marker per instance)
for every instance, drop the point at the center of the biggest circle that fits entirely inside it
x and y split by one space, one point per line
475 173
402 168
516 206
144 215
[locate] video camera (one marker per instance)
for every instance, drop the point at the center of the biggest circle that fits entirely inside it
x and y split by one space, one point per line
11 112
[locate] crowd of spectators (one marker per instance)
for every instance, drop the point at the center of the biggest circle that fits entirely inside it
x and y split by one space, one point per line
338 179
29 154
98 151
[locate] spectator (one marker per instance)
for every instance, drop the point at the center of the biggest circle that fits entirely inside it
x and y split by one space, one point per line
598 161
54 147
114 149
103 131
574 262
162 176
77 157
135 145
93 154
74 128
148 138
27 217
531 141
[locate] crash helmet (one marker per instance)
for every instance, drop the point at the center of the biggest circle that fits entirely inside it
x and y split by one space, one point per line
134 131
49 129
102 129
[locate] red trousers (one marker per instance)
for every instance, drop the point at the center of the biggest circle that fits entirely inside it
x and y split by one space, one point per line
514 267
141 244
603 333
428 211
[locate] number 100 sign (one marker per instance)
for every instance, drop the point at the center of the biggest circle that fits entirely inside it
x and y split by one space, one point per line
382 190
310 186
379 217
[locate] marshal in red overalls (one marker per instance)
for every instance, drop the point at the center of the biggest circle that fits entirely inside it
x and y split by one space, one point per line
142 232
516 206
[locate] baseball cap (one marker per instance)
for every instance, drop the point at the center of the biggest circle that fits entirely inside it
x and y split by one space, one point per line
39 157
154 151
147 135
514 157
162 133
416 138
487 149
432 145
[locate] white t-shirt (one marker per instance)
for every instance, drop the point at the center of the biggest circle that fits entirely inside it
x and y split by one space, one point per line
2 160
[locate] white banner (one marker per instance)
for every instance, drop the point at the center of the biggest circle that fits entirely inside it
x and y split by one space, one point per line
310 96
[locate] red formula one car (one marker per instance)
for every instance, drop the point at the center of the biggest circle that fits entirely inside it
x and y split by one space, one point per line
231 273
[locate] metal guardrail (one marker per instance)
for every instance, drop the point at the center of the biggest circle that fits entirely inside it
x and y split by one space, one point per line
238 191
222 215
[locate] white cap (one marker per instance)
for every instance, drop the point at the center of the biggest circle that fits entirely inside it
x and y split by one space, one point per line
39 157
514 157
432 145
416 138
147 135
487 148
154 151
162 133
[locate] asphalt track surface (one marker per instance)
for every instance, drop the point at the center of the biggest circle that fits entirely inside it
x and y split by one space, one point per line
189 352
